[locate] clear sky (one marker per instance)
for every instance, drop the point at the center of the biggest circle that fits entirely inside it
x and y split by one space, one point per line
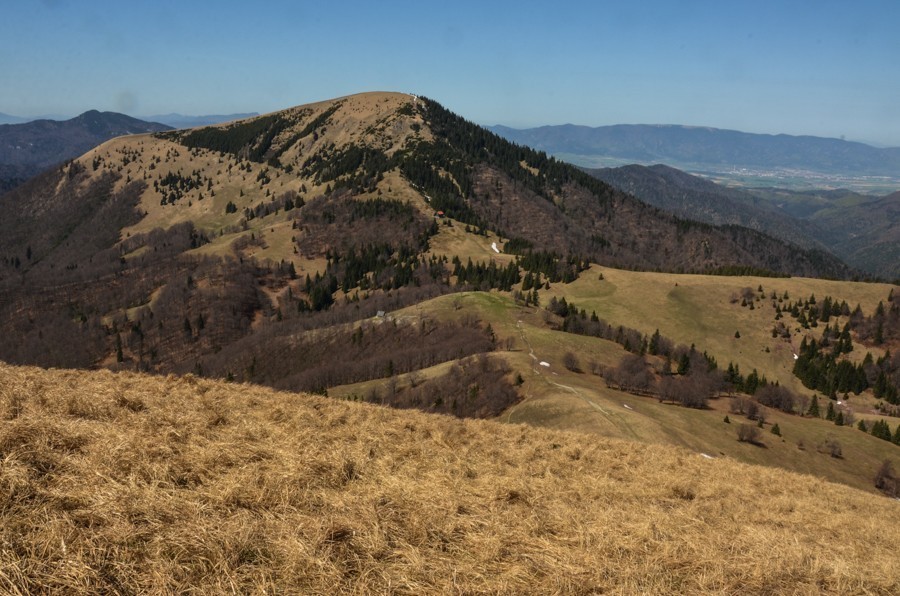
817 67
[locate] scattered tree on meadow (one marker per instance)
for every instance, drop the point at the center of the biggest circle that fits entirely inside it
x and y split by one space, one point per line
747 433
570 361
886 480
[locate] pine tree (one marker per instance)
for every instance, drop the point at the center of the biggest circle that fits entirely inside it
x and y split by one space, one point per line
830 413
653 348
881 430
776 430
839 419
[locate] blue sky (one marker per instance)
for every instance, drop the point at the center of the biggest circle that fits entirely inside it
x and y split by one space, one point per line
822 68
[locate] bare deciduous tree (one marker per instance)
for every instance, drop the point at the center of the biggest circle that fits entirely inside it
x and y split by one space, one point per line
747 433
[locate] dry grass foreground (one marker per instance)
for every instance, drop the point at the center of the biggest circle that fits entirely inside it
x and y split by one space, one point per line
121 483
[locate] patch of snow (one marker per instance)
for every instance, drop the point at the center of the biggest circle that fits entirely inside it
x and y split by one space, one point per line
839 402
707 456
796 357
543 363
494 246
627 406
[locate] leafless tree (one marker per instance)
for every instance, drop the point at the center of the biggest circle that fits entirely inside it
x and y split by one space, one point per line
748 433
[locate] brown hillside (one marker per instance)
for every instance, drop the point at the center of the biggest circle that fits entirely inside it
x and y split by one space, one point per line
122 483
155 252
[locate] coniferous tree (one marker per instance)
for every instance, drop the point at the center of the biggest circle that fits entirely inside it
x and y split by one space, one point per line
814 407
653 348
881 430
121 357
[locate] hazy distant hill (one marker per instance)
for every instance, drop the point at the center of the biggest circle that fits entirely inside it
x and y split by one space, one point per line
679 145
863 230
8 119
182 121
28 148
693 197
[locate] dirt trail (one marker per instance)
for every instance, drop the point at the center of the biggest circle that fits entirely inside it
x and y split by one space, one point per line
535 368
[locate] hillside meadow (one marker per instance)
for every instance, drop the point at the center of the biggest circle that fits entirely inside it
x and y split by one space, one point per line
123 483
554 397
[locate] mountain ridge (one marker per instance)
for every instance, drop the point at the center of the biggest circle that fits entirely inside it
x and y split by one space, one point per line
10 119
28 148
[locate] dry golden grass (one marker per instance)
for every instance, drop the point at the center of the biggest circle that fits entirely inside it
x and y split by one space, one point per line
696 309
367 118
121 483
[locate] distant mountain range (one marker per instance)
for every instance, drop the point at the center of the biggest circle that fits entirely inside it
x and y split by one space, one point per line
181 121
7 119
29 148
863 230
714 148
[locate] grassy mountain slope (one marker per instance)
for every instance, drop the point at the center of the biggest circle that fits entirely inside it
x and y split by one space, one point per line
688 309
343 191
31 147
264 251
129 483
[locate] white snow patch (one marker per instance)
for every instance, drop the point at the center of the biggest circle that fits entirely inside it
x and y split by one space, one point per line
543 363
494 246
796 357
707 456
627 406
